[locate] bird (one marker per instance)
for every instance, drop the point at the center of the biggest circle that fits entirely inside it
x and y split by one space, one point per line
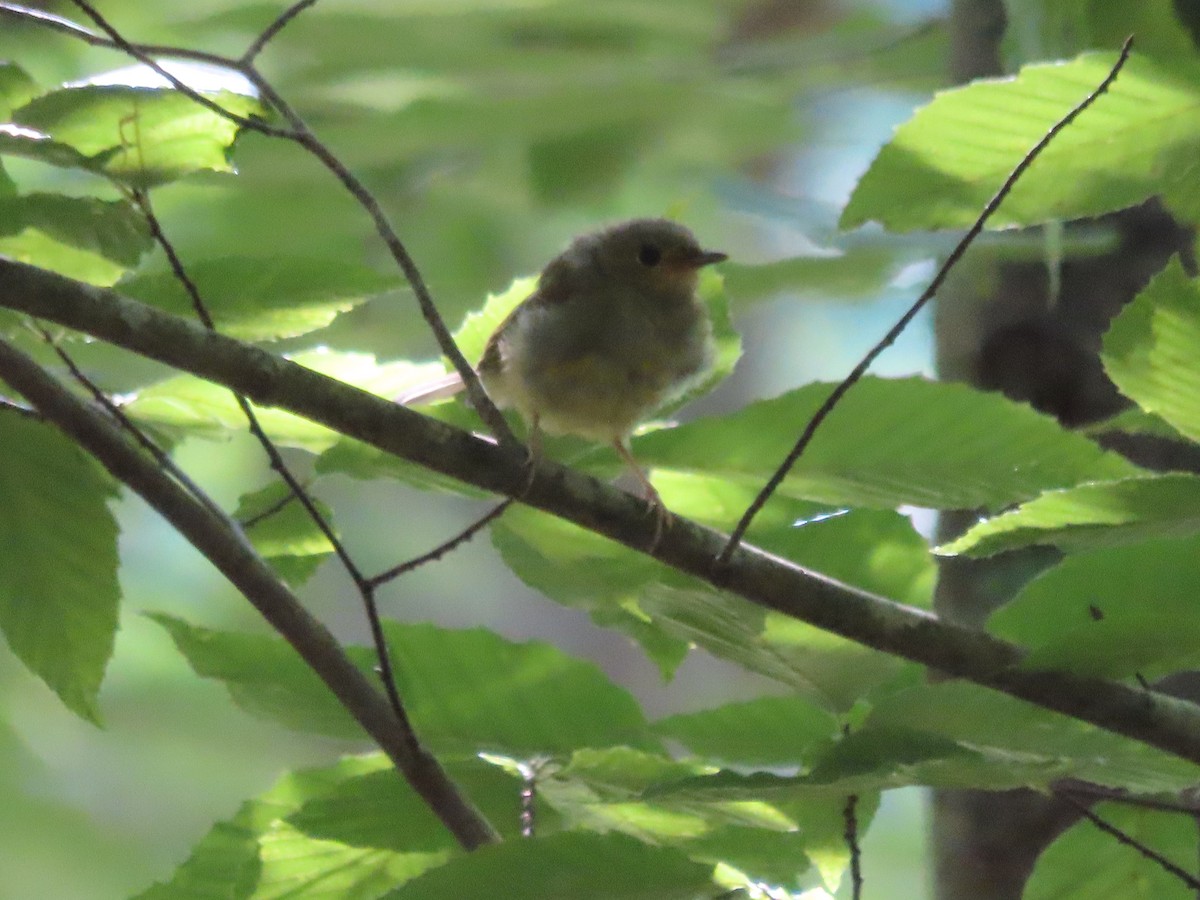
612 331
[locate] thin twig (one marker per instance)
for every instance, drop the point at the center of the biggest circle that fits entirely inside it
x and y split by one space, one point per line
250 521
850 816
443 548
1075 790
1128 840
888 339
216 536
278 465
301 134
268 33
195 96
144 440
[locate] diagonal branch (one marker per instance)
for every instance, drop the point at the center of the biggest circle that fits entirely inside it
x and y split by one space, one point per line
302 135
1161 721
218 539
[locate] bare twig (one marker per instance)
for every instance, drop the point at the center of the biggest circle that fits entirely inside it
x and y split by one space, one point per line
443 548
268 33
271 510
216 536
301 134
850 816
888 339
365 589
160 456
1128 840
119 42
1078 791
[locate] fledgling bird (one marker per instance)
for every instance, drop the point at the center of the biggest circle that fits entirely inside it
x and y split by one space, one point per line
613 331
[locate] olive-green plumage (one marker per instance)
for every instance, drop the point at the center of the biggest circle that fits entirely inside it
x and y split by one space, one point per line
613 331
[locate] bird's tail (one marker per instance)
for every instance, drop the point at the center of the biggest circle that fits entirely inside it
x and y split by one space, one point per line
428 391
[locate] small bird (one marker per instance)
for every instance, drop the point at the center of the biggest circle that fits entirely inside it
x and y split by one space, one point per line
612 331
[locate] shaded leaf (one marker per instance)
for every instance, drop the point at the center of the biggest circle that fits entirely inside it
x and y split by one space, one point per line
466 691
1112 612
566 866
58 580
262 299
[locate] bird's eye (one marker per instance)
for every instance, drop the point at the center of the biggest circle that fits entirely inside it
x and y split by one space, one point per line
649 255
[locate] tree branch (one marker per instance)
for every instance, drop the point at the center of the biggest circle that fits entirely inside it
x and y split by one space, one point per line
1156 719
220 541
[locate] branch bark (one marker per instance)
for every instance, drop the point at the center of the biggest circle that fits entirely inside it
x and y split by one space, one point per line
1160 721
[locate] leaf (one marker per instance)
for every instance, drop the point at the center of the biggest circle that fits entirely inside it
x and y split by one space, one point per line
665 611
283 532
262 299
466 691
379 810
567 866
192 406
778 731
1091 516
16 88
1152 347
140 135
113 230
58 580
37 248
945 163
1084 862
891 443
1035 741
259 853
1110 612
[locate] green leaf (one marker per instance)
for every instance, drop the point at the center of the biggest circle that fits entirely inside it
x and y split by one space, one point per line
946 162
378 809
142 136
566 866
1091 516
58 579
262 299
1151 349
666 611
767 731
1085 863
477 327
891 443
1032 740
1110 612
283 532
16 88
37 248
261 854
186 405
466 691
113 230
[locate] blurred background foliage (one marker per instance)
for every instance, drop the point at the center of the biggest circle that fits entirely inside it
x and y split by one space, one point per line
491 131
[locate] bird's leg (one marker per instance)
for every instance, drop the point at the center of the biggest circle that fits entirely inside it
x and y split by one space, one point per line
658 509
534 446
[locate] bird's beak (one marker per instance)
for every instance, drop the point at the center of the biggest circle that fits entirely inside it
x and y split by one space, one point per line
700 258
